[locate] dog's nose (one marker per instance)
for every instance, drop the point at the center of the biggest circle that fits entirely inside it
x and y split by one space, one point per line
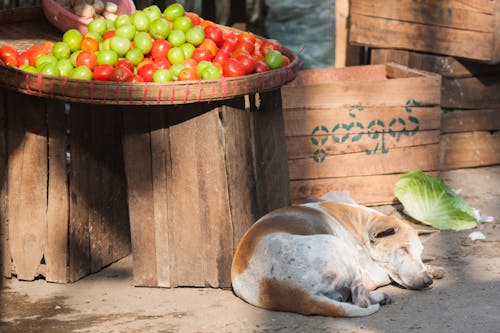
427 280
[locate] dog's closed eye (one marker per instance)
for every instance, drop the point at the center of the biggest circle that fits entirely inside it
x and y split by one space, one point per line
385 233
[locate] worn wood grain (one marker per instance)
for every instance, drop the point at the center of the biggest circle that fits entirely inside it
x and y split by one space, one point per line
56 253
27 183
5 258
345 54
471 120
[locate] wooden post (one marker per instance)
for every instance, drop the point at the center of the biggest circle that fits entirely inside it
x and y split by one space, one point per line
345 54
5 261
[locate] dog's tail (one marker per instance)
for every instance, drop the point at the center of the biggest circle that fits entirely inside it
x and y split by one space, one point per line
346 309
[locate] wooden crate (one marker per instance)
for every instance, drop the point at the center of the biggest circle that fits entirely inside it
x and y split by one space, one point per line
198 177
470 97
359 128
60 218
466 29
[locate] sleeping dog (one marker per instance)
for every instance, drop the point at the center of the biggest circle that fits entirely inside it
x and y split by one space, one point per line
327 258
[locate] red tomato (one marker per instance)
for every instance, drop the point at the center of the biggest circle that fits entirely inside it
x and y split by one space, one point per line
202 54
161 63
210 45
47 47
269 45
190 63
146 72
125 63
103 72
229 45
89 44
246 36
135 78
120 74
248 63
221 56
145 62
108 34
261 67
214 33
245 45
23 59
286 61
232 68
86 58
195 18
34 52
188 74
9 55
160 48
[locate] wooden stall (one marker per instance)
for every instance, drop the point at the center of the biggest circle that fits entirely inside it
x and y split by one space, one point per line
190 165
470 98
359 128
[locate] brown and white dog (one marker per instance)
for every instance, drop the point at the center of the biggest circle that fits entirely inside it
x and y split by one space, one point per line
327 258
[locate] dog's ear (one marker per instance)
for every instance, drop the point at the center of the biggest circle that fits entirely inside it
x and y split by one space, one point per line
426 234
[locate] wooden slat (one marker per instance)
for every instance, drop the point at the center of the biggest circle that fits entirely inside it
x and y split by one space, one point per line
471 120
471 93
470 149
161 171
361 164
379 32
270 153
137 157
27 179
394 92
5 259
299 147
329 75
56 253
461 14
303 122
79 192
366 190
201 212
240 169
345 54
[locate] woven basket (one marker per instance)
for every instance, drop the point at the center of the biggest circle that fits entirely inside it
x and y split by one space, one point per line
31 27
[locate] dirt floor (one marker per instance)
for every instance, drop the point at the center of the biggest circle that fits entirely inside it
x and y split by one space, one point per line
466 300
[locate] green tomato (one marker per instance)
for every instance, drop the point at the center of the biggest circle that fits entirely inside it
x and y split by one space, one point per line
274 59
135 56
81 73
175 69
159 28
188 49
195 35
65 66
153 12
176 55
109 57
141 21
49 68
201 66
73 57
29 69
210 72
94 35
45 58
73 38
61 50
162 75
173 11
98 26
110 25
176 37
143 41
122 19
104 45
127 30
182 23
120 45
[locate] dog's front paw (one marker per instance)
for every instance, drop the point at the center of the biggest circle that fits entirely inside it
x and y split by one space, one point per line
435 271
379 297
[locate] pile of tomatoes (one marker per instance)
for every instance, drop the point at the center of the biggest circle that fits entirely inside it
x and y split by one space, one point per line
150 46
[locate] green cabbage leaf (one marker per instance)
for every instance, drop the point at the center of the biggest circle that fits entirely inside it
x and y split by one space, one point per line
428 200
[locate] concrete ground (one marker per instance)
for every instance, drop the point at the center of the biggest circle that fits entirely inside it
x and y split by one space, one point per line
466 300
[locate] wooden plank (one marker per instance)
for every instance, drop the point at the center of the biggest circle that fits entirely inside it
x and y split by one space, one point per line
137 157
161 170
363 164
471 120
369 190
27 179
461 14
384 33
305 122
394 92
299 147
56 253
270 153
79 192
471 92
470 149
201 212
240 169
329 75
345 54
5 259
446 66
